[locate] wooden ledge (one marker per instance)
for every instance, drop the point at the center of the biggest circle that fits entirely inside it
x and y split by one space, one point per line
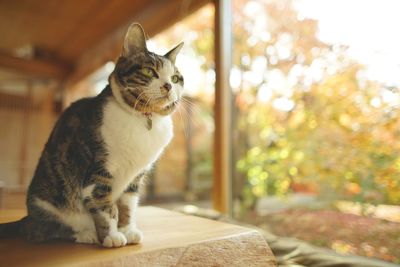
170 239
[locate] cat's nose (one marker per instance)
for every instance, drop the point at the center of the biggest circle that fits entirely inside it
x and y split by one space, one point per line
167 86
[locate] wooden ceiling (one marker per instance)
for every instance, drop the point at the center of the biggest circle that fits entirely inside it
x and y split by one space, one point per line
64 29
72 38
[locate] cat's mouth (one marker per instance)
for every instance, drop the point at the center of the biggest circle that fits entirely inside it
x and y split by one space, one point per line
169 108
162 101
163 104
144 99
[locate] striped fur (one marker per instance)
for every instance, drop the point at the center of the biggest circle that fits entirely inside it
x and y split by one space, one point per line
86 184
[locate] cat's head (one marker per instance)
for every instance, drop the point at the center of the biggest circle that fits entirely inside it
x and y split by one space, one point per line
145 81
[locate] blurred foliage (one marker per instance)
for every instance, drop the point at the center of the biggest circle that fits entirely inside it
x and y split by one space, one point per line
307 118
195 115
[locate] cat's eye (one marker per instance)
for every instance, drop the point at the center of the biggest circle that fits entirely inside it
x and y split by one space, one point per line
147 71
175 79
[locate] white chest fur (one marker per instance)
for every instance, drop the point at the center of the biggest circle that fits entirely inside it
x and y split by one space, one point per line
131 146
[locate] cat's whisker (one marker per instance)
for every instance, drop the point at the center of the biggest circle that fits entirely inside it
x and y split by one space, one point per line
148 102
188 122
188 108
191 105
192 115
185 132
188 117
191 108
138 99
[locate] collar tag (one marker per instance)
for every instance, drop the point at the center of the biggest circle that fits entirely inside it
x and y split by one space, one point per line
149 122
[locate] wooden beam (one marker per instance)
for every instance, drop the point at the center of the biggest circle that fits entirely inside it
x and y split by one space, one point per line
156 17
33 67
222 187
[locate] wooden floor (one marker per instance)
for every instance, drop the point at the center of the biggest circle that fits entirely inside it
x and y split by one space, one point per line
170 239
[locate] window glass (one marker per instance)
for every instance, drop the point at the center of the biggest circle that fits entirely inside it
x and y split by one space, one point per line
316 119
184 172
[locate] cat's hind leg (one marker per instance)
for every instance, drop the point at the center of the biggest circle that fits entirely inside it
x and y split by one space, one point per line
47 222
43 230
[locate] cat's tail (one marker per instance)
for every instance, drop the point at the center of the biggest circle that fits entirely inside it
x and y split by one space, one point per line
12 229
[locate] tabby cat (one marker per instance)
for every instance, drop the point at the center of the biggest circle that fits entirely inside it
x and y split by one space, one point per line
85 187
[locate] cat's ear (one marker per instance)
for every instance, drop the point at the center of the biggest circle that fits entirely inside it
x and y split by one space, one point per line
171 55
135 40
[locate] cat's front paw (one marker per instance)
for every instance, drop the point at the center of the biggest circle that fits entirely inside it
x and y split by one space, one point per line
115 239
133 235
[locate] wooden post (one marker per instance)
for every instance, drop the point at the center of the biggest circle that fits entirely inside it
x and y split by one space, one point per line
222 187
